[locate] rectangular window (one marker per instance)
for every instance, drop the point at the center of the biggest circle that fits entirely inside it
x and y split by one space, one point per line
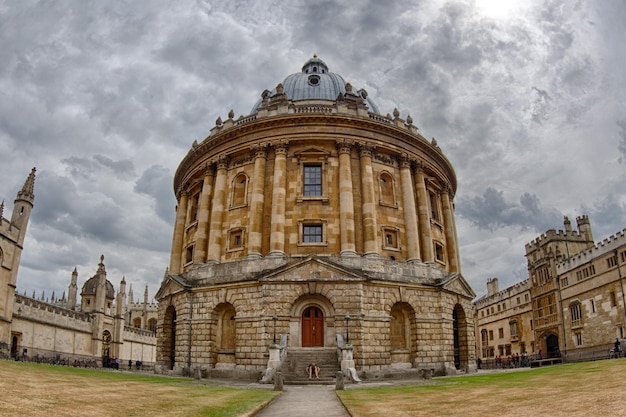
513 328
490 334
189 254
312 233
312 180
391 238
612 261
438 252
575 314
434 213
501 333
593 306
579 338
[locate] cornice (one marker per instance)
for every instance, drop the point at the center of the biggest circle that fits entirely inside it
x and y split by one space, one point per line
326 124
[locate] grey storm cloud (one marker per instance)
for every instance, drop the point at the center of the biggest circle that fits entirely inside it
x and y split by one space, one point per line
105 99
491 211
156 182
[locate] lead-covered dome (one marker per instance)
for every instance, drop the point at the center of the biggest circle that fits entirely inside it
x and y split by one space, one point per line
316 82
91 285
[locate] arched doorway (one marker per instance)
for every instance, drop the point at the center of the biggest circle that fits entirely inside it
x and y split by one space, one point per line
169 337
106 348
460 337
312 327
14 347
552 346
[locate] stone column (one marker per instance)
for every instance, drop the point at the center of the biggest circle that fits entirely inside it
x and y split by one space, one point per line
200 250
179 232
410 214
277 232
423 212
219 202
346 200
450 231
368 202
255 237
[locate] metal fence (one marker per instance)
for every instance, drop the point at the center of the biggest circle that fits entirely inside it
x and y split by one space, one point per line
29 354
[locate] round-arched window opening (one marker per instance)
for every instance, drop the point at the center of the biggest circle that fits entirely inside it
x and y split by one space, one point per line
314 80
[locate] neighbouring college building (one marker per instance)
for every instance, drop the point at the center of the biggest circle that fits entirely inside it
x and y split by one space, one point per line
571 308
89 327
320 222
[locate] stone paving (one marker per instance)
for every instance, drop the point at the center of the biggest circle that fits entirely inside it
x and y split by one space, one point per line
305 401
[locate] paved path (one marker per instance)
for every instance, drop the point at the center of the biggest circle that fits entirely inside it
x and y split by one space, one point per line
306 401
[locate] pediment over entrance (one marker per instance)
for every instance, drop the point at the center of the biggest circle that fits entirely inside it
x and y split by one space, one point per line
457 284
311 268
171 285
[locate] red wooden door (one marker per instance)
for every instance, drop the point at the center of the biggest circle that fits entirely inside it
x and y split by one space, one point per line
312 327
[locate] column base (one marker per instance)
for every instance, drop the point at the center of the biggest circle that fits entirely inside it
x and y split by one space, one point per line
349 254
276 254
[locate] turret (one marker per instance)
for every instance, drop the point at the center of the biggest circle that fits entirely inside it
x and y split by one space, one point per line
121 299
23 205
72 291
584 227
568 225
102 286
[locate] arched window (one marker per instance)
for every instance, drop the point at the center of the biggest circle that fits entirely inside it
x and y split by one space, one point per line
227 330
106 346
137 322
152 324
386 188
399 331
239 191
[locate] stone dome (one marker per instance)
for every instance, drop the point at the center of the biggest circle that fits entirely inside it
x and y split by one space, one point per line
90 286
316 82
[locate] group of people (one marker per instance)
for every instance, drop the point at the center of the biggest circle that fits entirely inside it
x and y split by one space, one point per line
512 361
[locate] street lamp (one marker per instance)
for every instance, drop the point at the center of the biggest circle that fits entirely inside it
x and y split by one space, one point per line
274 318
347 319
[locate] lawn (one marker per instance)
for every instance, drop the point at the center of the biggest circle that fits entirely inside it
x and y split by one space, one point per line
45 390
582 389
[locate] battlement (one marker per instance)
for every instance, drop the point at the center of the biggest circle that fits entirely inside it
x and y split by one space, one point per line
139 305
50 308
508 292
583 234
607 245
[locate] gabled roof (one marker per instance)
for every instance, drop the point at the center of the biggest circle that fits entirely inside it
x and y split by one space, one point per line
172 284
457 284
312 268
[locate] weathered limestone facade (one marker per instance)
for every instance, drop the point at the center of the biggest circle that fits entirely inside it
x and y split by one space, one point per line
315 217
85 329
572 305
12 233
91 329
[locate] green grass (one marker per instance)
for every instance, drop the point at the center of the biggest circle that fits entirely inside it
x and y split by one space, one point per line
583 389
44 390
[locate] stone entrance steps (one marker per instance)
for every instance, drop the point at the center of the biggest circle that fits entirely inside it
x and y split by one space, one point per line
294 367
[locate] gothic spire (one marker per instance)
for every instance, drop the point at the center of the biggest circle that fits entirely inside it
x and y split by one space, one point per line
28 190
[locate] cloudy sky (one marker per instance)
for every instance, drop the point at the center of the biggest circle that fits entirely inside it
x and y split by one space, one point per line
527 99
